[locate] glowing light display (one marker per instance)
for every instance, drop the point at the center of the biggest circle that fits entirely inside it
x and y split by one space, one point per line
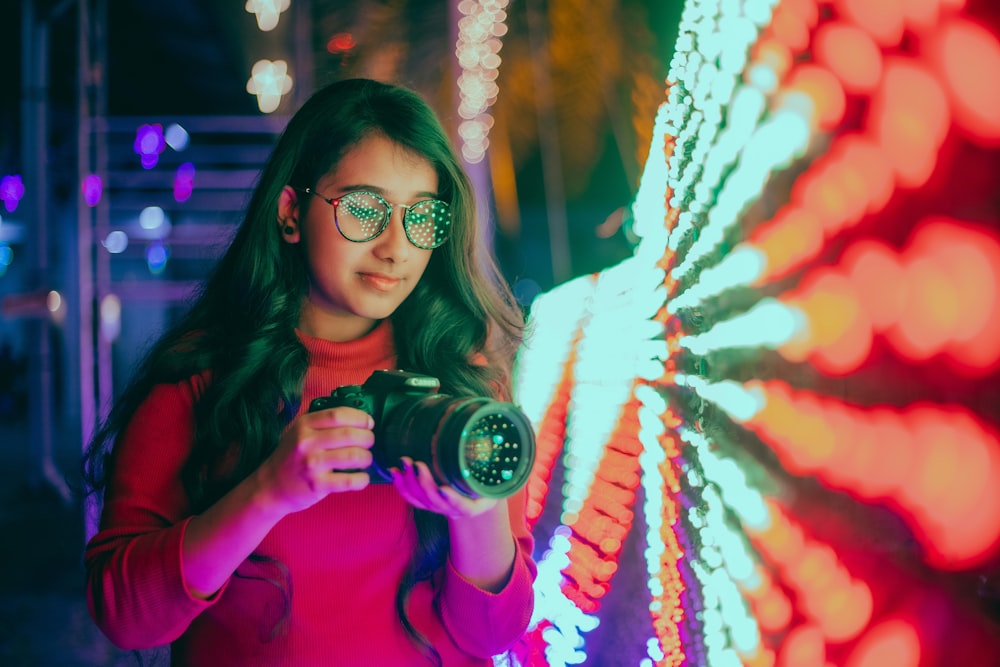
480 31
267 12
269 81
149 143
157 255
780 396
184 182
11 191
176 137
92 189
115 242
6 257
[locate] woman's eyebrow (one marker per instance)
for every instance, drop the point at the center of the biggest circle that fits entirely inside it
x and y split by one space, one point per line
377 190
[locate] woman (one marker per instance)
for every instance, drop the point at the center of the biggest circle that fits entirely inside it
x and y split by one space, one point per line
241 528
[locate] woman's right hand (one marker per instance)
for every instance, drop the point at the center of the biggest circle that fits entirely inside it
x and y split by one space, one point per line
319 453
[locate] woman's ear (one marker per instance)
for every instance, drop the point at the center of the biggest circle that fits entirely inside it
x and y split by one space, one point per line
288 215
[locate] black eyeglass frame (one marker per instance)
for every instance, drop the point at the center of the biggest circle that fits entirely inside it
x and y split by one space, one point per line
335 203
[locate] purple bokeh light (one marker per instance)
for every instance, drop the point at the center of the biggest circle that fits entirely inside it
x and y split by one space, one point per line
11 191
184 182
92 189
149 143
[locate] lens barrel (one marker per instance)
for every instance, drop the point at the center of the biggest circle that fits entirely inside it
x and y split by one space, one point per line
481 447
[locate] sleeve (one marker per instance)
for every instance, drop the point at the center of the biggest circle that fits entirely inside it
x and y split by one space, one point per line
135 581
483 623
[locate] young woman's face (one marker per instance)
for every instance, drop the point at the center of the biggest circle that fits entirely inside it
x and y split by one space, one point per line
353 285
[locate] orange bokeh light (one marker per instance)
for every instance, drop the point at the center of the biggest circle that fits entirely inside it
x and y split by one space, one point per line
883 20
851 54
789 28
920 14
968 57
825 91
845 611
893 456
910 118
816 568
803 647
818 191
806 10
773 611
953 492
894 642
933 465
849 179
951 295
873 268
872 164
793 235
774 54
930 313
840 333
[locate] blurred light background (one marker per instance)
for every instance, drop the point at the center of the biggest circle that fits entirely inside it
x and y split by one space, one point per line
757 243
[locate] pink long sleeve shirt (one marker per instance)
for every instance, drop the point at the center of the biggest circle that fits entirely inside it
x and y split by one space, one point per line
345 557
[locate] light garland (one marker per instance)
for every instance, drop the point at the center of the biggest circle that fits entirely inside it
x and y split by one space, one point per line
724 564
267 12
269 81
480 33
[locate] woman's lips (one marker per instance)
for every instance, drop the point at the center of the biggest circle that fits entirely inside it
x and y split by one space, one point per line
379 282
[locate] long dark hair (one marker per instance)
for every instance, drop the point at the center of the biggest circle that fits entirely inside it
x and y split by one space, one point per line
241 326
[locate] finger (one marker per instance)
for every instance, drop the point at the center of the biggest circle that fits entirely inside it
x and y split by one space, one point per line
341 436
337 482
340 416
425 478
405 480
341 458
421 489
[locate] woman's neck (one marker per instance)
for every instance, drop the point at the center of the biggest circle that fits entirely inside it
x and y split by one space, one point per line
336 327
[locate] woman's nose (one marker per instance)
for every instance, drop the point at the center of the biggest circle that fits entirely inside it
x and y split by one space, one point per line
394 244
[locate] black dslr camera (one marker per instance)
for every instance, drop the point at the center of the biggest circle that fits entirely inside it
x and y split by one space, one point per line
479 446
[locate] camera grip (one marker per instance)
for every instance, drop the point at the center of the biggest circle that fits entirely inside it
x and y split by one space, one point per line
352 396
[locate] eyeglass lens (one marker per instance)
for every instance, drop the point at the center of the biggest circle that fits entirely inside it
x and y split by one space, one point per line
362 215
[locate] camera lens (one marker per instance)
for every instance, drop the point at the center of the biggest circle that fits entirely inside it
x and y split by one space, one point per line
479 446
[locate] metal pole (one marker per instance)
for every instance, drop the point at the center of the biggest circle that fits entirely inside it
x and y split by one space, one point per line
35 83
84 246
101 212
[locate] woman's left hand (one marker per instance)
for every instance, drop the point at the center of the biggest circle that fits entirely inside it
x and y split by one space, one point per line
417 485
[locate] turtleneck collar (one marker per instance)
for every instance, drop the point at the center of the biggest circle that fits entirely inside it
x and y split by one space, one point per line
370 350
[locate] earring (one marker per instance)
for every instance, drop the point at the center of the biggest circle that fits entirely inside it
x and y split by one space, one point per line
288 229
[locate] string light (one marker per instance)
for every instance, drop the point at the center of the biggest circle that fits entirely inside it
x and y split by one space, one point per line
11 191
267 12
480 33
734 577
269 81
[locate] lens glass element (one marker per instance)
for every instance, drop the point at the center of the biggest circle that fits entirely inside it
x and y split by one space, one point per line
492 450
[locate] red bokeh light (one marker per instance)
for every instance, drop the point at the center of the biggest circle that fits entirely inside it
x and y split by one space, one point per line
342 42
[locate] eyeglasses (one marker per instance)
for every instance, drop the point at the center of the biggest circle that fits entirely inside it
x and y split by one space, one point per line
362 216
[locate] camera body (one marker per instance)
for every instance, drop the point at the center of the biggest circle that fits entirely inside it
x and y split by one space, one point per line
478 446
378 396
